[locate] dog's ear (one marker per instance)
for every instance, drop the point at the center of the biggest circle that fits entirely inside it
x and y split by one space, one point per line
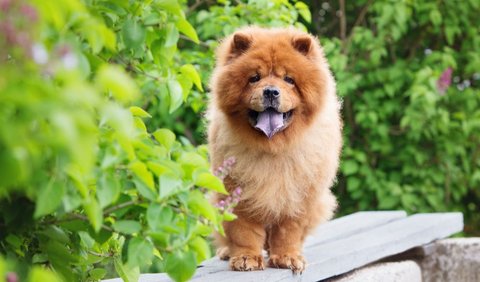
302 44
240 43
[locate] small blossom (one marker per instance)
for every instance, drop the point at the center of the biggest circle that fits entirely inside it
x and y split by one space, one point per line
67 57
39 54
5 5
11 277
29 12
227 204
69 61
237 191
444 81
222 171
7 29
221 205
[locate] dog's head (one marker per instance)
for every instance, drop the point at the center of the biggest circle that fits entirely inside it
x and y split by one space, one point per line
270 82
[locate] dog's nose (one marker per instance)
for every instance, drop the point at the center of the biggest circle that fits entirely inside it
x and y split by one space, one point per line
271 93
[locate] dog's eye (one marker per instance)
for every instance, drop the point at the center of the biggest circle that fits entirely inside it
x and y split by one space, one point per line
289 80
254 78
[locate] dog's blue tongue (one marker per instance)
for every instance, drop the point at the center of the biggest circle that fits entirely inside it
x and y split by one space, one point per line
269 122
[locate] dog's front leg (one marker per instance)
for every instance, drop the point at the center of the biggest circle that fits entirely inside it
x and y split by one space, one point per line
285 241
245 240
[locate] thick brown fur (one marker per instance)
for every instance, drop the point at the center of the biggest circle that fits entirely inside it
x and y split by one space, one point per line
286 179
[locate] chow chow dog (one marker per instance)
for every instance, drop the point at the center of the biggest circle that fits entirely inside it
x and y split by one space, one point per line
274 109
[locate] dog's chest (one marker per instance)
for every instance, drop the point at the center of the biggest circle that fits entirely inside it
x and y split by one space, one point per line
275 186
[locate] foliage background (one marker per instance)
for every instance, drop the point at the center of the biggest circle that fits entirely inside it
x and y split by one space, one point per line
102 168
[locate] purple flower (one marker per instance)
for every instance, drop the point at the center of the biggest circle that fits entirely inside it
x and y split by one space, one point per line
39 54
444 81
11 277
221 205
237 191
29 12
5 5
222 171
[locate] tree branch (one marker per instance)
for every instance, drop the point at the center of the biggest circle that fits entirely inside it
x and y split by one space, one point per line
200 43
358 21
343 21
361 16
120 206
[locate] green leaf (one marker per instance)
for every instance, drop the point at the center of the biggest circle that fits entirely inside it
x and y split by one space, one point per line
171 36
186 28
97 273
171 6
435 17
201 247
108 189
165 166
304 11
59 253
200 205
109 38
127 226
165 137
180 266
169 185
142 172
209 181
127 272
158 216
57 234
133 33
176 94
113 79
49 198
38 274
227 216
140 252
140 125
193 159
349 167
186 83
144 190
86 239
388 202
353 183
190 71
139 112
94 213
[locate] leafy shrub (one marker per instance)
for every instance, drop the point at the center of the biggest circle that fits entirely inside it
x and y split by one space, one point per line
408 74
84 186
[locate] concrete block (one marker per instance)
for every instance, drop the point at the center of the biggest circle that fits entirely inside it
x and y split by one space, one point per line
455 259
404 271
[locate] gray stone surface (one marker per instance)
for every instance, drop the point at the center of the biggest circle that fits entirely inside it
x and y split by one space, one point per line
351 224
347 245
345 254
455 259
404 271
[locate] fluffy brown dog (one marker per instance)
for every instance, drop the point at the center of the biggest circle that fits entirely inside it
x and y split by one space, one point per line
275 110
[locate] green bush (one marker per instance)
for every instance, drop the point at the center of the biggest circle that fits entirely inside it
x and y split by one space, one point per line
85 188
411 126
409 79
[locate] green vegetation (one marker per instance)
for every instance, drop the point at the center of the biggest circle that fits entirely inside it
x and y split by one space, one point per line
102 168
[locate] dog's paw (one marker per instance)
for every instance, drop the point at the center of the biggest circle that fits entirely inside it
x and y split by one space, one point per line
295 263
223 253
247 263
